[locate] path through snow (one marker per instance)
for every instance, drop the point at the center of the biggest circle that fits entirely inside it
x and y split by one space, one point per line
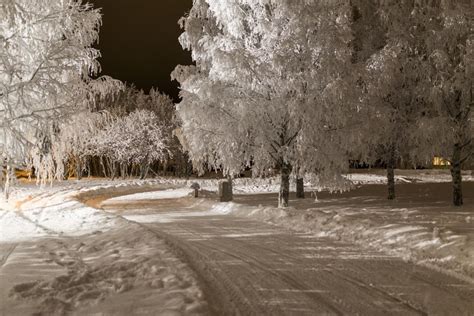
252 268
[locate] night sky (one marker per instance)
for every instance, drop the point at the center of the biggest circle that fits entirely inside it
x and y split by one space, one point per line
139 41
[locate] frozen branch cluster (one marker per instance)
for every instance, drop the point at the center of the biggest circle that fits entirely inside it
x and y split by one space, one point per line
47 63
131 130
267 89
306 86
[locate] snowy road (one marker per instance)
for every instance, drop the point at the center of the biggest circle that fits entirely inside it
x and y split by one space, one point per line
248 267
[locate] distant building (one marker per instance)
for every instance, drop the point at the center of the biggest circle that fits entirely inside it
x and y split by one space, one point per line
440 162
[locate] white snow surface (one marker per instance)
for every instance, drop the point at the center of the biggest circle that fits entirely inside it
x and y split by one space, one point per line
68 257
154 195
378 176
217 209
54 211
51 214
425 231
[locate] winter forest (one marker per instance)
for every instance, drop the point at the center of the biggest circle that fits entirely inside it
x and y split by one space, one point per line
346 125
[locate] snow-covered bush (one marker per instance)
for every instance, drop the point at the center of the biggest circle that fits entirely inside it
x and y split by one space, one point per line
136 139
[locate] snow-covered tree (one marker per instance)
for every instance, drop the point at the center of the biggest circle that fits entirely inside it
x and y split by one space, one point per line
450 45
132 99
396 91
46 67
136 139
420 85
270 87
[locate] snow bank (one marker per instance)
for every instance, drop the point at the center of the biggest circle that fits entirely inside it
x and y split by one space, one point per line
154 195
439 247
53 214
34 211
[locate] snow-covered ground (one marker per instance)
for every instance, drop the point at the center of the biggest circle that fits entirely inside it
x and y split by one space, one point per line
421 225
64 255
59 256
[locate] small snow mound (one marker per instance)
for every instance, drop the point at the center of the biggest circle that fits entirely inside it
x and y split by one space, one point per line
155 195
223 208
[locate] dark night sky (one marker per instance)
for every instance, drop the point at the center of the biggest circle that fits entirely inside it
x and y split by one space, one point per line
139 41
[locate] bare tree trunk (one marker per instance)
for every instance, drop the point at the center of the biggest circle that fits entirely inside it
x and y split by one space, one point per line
284 196
2 177
144 168
299 185
123 170
300 188
6 189
391 164
231 186
89 167
165 168
78 169
104 170
456 175
113 169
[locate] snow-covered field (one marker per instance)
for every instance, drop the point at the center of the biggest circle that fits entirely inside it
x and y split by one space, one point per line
421 225
61 255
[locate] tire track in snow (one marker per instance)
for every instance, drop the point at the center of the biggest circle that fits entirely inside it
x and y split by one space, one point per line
202 242
257 264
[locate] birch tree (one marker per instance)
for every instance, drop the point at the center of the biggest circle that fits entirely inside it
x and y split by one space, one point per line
450 43
396 89
269 86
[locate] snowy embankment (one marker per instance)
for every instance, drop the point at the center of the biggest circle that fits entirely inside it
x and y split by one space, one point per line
101 262
414 242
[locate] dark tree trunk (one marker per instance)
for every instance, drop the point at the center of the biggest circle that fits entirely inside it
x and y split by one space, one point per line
113 168
284 196
300 188
391 183
89 167
457 176
391 173
231 181
123 170
144 168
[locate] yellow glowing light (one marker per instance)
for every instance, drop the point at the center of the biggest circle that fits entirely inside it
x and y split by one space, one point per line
440 162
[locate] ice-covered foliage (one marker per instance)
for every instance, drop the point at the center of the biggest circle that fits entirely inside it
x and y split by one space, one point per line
271 86
133 139
138 139
68 145
396 92
450 46
47 62
419 85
